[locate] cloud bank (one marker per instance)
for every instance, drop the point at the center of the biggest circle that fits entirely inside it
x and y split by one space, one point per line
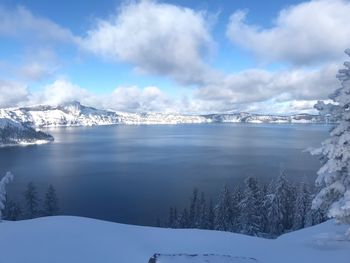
303 34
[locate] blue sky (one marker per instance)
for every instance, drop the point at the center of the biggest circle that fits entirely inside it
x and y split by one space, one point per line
186 56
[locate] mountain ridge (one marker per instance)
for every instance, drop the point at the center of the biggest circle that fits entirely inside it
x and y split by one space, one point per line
75 114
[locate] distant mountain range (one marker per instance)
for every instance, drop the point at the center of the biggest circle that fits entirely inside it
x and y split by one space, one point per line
18 124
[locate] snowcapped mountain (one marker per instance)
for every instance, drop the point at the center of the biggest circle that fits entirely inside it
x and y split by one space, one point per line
75 114
14 132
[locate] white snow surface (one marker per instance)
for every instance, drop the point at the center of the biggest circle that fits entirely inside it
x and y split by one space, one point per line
74 239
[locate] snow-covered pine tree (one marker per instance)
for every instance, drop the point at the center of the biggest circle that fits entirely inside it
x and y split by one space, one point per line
193 209
203 213
4 181
211 216
274 224
32 200
250 215
184 219
236 198
334 175
223 219
51 202
285 200
302 207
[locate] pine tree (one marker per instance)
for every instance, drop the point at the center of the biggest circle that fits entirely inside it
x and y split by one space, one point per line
32 200
51 202
12 210
193 209
284 200
274 224
171 217
250 217
236 198
184 221
224 211
203 213
211 216
3 182
176 219
334 175
302 207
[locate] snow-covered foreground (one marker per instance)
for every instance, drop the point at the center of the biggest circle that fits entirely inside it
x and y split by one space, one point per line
74 239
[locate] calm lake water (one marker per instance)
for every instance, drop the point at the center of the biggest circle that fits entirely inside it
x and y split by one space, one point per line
132 174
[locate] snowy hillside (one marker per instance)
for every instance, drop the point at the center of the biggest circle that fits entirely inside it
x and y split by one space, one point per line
75 114
73 239
13 133
260 118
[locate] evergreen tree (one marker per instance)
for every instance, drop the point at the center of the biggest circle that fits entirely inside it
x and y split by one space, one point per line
250 217
274 224
334 175
171 217
284 201
318 216
51 202
203 213
193 209
302 207
32 200
211 216
266 203
184 221
176 219
12 210
236 198
3 182
224 211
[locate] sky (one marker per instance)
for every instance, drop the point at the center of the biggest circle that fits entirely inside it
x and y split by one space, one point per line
192 57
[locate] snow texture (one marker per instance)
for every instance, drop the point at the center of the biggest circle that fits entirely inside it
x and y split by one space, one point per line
72 239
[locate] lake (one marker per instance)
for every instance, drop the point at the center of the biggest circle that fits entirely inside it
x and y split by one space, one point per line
132 174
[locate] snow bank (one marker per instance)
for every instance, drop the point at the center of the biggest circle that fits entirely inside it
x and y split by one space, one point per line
74 239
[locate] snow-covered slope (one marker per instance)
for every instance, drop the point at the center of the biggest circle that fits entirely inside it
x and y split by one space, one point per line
73 239
75 114
14 132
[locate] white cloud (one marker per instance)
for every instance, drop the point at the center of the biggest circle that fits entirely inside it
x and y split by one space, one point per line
156 38
131 99
21 23
58 92
12 94
305 33
238 90
38 65
136 99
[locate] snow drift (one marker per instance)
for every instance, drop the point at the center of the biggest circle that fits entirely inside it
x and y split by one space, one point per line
74 239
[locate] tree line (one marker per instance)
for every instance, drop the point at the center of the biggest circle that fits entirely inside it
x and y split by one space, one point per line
33 205
254 209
